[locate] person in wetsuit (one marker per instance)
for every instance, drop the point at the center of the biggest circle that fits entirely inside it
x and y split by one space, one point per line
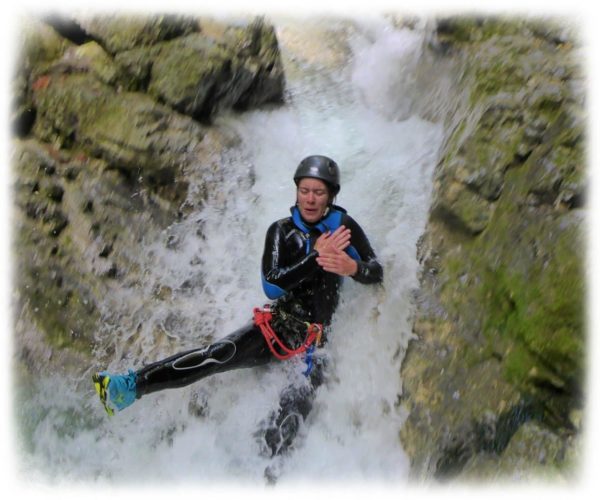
305 258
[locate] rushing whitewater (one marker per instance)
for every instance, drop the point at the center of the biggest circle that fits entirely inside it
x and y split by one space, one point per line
348 91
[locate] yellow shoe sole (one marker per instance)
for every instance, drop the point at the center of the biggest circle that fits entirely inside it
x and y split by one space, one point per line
101 385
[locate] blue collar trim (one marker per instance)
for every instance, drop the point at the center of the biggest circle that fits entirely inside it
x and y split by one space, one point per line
330 222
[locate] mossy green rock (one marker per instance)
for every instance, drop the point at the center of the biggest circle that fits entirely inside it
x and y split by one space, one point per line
199 76
92 58
124 32
61 299
501 317
534 452
188 73
129 130
517 90
38 48
78 226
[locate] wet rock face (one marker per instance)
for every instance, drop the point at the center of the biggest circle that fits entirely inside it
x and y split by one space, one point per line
199 76
130 131
110 115
118 33
500 319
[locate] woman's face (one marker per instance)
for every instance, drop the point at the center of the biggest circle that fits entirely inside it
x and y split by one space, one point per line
312 198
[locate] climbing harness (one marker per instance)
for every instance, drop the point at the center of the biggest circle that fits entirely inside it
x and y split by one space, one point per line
314 332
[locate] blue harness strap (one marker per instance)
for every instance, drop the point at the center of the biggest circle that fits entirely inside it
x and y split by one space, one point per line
308 359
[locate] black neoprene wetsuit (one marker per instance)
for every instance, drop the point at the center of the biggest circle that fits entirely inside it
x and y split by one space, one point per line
309 293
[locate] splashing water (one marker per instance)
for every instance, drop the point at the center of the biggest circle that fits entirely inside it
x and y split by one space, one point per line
350 106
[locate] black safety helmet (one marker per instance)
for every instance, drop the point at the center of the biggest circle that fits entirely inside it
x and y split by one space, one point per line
320 167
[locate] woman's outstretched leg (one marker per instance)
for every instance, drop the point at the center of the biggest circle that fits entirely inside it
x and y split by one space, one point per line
243 348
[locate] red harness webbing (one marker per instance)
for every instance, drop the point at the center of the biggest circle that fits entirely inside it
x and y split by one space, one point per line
262 319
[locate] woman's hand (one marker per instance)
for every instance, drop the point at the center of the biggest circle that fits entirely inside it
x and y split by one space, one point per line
338 262
332 257
338 240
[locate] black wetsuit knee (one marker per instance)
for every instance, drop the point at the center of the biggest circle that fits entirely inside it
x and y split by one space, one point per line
278 432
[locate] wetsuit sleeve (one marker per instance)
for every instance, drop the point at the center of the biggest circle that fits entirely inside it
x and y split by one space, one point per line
278 274
369 269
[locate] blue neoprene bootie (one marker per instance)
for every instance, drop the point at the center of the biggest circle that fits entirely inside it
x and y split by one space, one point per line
116 392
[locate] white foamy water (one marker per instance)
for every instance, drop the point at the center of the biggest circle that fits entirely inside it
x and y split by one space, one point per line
210 262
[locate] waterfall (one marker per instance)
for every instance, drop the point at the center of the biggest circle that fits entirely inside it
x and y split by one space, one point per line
348 87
